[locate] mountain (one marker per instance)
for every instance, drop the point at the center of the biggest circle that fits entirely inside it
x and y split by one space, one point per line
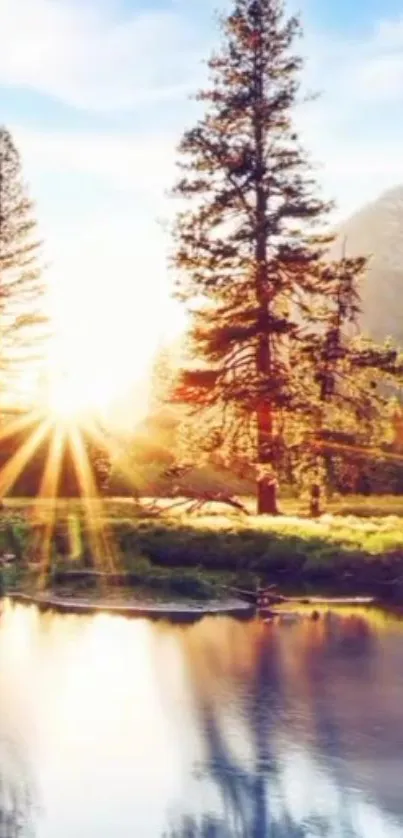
377 231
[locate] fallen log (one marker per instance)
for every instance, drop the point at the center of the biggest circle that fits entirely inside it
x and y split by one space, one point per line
266 597
195 502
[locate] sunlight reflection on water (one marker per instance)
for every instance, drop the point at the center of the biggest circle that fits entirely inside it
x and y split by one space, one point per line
225 729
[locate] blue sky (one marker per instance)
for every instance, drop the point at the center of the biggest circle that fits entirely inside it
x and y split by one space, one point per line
95 93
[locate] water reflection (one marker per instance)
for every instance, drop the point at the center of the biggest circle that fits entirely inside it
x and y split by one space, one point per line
296 694
17 805
219 730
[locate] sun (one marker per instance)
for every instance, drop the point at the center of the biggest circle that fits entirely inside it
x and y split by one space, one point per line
65 400
76 394
102 348
86 383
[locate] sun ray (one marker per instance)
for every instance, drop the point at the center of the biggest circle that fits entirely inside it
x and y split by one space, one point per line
97 531
20 423
15 465
115 450
48 491
112 447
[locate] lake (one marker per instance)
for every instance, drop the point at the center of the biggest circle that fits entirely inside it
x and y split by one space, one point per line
133 729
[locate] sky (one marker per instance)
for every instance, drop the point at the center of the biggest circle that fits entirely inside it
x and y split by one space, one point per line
96 94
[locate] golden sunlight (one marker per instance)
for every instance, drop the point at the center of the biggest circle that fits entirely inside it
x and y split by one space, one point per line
83 382
72 395
104 344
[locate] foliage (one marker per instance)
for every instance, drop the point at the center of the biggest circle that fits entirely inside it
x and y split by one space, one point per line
248 250
348 379
22 319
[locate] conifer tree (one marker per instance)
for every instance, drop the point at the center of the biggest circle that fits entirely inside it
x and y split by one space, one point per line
248 252
348 377
22 319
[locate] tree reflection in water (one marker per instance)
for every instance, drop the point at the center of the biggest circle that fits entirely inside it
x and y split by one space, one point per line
254 798
349 641
17 808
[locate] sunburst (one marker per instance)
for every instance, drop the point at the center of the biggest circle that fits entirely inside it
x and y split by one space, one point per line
16 464
100 541
48 494
62 433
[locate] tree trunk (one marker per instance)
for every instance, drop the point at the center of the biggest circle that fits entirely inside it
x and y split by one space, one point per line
266 483
266 480
267 497
315 501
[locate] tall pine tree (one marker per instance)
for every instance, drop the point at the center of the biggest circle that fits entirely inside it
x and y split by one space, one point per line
22 319
248 253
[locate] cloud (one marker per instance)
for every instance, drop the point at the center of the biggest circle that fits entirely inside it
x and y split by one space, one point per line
131 161
355 129
379 69
81 53
359 69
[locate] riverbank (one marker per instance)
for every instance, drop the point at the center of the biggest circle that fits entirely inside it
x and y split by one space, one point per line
175 555
174 612
189 613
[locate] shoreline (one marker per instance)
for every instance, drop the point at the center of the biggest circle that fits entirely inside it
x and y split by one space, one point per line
181 613
198 562
172 612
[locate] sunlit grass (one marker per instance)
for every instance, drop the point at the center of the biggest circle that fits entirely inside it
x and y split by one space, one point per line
212 536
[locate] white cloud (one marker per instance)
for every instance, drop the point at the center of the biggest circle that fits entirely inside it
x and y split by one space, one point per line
355 129
377 65
360 70
388 34
381 77
132 161
79 52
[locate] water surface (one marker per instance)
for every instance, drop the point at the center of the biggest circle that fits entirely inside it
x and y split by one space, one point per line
133 729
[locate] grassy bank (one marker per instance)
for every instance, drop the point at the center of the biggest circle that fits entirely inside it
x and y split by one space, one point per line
357 548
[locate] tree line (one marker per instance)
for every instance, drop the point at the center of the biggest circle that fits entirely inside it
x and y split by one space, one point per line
275 375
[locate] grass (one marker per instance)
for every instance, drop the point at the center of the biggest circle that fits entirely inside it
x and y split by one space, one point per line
357 547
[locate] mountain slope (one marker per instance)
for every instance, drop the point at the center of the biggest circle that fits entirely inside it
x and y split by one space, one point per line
377 230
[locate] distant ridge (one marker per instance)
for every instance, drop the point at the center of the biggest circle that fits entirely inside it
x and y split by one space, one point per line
376 230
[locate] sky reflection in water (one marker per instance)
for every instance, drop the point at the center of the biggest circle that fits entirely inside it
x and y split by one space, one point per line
219 730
